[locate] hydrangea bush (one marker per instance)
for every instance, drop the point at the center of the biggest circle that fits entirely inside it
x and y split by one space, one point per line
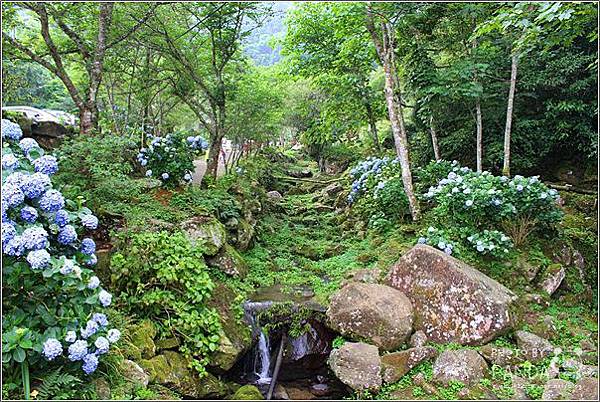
440 239
478 205
171 158
52 300
377 191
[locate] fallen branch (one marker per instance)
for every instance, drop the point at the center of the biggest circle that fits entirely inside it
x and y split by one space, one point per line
570 188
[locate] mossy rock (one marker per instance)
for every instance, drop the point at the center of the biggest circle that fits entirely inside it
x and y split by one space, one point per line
206 231
173 369
142 337
235 338
247 393
229 261
168 343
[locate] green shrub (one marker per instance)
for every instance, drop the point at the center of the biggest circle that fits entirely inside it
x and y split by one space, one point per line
161 276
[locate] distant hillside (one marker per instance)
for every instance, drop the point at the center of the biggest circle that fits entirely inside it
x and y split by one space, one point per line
258 44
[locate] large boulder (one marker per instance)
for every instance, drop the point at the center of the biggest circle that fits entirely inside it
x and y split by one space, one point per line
235 337
586 389
229 261
395 365
206 231
357 365
378 313
556 389
465 365
452 301
533 347
173 369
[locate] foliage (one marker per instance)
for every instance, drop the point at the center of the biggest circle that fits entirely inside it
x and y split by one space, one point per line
58 385
50 293
161 276
377 191
170 158
478 201
440 239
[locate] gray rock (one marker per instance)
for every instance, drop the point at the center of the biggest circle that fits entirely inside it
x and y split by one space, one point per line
102 388
418 339
586 389
533 347
582 370
378 313
501 356
552 278
556 389
453 302
395 365
229 261
357 365
206 231
519 387
333 189
275 195
465 365
134 373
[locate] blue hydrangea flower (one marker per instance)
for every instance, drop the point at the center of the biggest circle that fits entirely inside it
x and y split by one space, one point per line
11 130
61 218
34 185
93 283
67 267
165 176
67 235
52 349
519 187
441 245
8 232
27 144
187 177
93 260
35 238
14 247
422 240
144 162
102 345
52 201
11 195
468 203
105 298
480 248
113 335
448 250
38 259
88 246
29 214
9 162
15 178
89 222
100 319
78 350
70 337
148 173
90 329
46 164
90 363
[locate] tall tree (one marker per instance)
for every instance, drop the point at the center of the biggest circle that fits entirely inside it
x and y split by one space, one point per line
383 36
201 44
67 29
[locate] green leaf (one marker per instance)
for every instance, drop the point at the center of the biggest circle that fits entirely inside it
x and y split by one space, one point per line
19 355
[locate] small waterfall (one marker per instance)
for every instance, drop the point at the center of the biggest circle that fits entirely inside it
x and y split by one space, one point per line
265 360
261 363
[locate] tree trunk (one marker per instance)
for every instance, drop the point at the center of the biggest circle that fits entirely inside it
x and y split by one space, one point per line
509 113
214 152
88 119
372 125
385 50
434 140
479 136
